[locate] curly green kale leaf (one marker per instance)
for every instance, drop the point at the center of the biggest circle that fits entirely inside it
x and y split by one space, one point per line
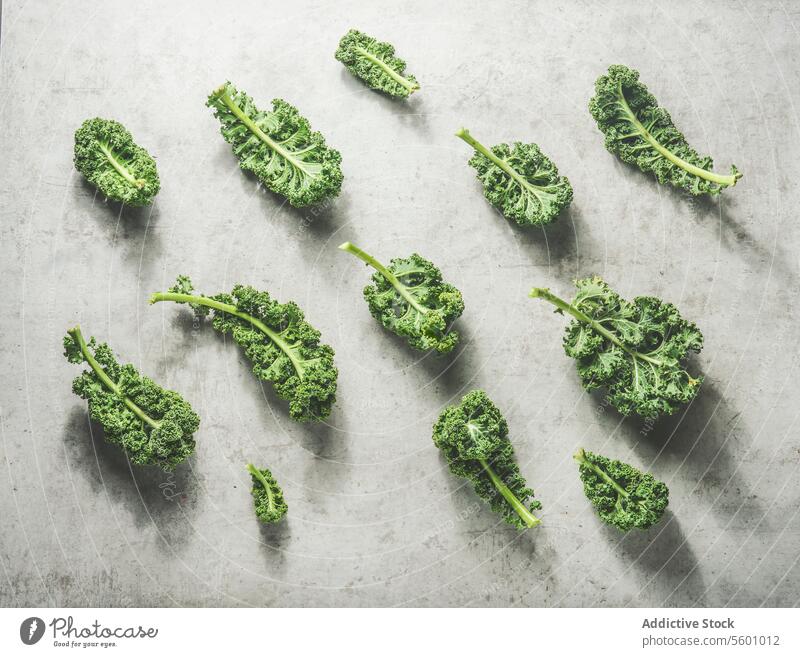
375 63
635 350
283 348
278 147
154 426
623 496
109 159
520 181
267 495
473 436
642 133
411 300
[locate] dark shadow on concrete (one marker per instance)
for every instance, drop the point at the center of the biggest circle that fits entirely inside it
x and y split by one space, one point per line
450 371
318 221
324 439
153 497
274 539
704 433
133 219
132 230
666 557
454 372
736 237
558 241
408 110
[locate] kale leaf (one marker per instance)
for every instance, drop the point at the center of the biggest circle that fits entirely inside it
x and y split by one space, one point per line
623 496
278 147
283 348
635 350
520 181
109 159
154 426
375 63
411 300
267 495
642 133
473 436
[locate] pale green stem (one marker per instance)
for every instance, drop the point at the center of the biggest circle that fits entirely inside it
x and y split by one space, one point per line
463 133
120 168
408 84
233 310
522 511
389 276
76 335
253 470
544 293
224 96
580 457
727 181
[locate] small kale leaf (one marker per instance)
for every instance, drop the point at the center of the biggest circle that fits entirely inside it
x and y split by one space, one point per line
376 64
520 181
107 156
411 300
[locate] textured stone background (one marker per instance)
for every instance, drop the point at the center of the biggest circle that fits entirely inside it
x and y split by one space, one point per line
375 518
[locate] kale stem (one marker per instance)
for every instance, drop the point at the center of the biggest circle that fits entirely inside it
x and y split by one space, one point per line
522 511
233 310
580 457
223 95
463 133
410 86
545 293
389 276
253 470
120 168
77 336
725 181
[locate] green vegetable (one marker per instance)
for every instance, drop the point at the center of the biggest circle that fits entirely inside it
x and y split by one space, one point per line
636 350
282 346
106 155
520 181
410 299
642 133
374 62
623 496
473 436
267 495
278 147
154 426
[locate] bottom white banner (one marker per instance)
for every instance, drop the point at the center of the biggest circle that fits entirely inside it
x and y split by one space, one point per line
287 632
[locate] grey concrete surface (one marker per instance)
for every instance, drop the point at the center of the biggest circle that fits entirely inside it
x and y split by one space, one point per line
375 518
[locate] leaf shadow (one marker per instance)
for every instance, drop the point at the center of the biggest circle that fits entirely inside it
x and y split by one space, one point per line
407 110
736 236
132 227
558 240
449 372
275 537
150 496
315 437
664 553
318 221
702 436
